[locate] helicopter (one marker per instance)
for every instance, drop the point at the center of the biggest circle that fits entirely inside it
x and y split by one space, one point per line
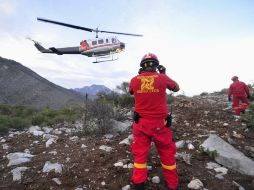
100 48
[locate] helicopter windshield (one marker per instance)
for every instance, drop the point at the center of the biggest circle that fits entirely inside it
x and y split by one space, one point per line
115 40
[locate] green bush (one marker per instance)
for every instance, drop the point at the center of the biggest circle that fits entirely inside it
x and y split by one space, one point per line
20 117
170 98
211 153
126 101
7 122
38 119
4 124
98 117
5 110
248 117
19 123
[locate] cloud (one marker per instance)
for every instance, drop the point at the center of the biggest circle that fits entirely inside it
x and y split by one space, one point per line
7 7
69 71
197 58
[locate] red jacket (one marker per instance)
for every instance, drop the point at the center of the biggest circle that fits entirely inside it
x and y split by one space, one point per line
149 89
238 88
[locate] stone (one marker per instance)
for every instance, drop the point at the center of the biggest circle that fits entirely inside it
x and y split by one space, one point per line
48 167
228 156
180 144
126 187
156 179
105 148
58 182
195 184
17 173
18 158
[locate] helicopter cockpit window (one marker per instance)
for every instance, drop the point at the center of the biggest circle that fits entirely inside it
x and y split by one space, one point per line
94 43
106 40
113 40
100 41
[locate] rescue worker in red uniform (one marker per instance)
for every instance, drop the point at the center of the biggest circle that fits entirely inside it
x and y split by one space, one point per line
239 90
150 121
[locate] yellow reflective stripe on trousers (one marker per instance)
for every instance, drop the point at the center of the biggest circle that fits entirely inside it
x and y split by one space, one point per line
139 165
169 167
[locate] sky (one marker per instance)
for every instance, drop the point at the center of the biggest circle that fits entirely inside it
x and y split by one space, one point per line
202 43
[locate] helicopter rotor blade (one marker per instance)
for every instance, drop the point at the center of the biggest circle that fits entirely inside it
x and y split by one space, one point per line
67 25
86 29
138 35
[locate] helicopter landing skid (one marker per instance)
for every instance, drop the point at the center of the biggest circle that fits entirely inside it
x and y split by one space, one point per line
104 59
100 61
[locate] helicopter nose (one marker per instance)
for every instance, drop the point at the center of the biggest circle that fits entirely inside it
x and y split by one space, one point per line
122 45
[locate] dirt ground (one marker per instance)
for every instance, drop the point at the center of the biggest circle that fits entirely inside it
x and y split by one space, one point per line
93 169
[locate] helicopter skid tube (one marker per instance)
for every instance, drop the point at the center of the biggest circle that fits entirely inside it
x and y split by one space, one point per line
105 60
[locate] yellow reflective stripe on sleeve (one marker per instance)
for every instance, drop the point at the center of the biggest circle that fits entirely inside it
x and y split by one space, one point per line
139 165
171 167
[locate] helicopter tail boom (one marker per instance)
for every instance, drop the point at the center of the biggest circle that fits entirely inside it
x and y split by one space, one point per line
58 51
40 47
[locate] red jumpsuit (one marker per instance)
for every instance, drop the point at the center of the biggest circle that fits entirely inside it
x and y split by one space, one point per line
239 90
149 89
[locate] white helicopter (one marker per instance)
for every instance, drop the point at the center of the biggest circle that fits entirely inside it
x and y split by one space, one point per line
100 48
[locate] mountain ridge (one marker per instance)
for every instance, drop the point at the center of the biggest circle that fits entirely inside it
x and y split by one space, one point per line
93 89
22 86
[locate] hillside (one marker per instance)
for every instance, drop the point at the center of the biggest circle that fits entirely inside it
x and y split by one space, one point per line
21 86
61 158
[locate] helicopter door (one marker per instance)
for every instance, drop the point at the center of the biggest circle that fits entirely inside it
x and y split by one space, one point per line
84 45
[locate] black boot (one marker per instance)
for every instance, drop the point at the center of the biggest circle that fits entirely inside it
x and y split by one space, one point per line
139 186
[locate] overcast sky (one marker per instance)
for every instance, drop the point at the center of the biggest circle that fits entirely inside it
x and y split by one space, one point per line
202 43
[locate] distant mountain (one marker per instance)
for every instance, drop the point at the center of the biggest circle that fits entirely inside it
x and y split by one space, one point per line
19 85
92 90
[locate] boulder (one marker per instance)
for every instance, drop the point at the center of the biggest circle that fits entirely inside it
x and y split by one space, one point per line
228 156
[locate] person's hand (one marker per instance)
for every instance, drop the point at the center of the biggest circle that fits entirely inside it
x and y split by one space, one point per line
140 70
229 98
248 96
162 69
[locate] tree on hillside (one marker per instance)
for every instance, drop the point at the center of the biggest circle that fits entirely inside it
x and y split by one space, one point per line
123 87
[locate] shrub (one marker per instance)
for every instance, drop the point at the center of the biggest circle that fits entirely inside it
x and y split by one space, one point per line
211 153
248 117
38 119
170 98
19 117
4 124
7 122
99 114
204 94
126 101
19 123
5 110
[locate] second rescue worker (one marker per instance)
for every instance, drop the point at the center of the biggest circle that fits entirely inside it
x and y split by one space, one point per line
151 116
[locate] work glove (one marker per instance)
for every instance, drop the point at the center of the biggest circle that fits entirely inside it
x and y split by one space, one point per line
248 96
161 69
229 98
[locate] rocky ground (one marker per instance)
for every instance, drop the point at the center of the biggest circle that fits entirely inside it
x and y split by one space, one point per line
62 159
